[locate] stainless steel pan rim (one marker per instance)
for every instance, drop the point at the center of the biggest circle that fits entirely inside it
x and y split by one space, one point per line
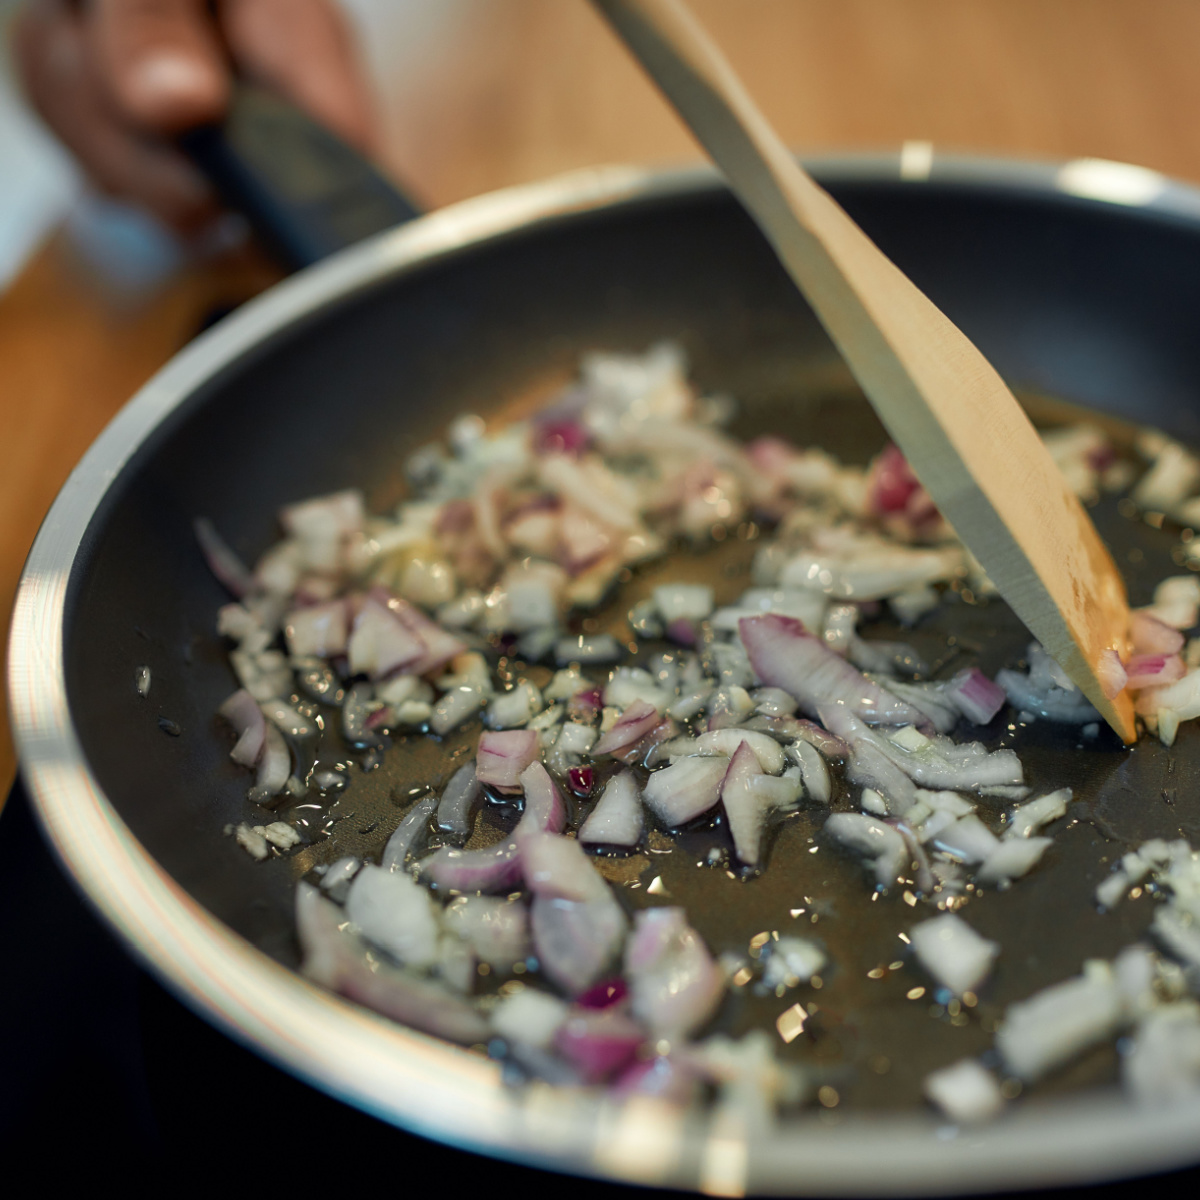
415 1081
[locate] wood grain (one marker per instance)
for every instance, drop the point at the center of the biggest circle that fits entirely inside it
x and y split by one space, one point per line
505 91
961 429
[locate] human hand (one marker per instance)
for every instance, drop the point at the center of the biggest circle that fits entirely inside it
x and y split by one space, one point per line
116 80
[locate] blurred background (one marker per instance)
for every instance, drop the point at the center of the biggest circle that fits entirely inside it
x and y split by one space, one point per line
481 94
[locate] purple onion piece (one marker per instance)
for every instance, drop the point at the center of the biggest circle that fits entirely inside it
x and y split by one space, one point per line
494 869
783 654
503 755
381 644
440 645
575 941
585 705
274 767
582 780
975 696
603 994
674 985
599 1042
561 435
544 808
682 632
335 958
635 722
222 560
829 744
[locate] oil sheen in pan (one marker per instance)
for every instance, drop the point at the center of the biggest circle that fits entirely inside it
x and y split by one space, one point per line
875 1026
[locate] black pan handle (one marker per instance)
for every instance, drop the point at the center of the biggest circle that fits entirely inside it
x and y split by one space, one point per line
305 192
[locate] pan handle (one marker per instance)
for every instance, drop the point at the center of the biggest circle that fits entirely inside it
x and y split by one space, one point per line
305 192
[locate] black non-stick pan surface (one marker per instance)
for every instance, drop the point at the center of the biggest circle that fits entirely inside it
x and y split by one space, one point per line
1071 296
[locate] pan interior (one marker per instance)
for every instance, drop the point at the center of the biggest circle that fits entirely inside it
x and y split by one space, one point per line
1074 300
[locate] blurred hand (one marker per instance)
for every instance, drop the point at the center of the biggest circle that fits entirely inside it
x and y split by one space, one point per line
116 79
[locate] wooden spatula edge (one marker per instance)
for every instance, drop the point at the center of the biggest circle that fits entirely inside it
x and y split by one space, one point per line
959 426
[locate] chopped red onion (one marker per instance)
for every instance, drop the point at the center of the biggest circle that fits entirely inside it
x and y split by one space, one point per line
766 750
784 655
603 994
503 756
440 645
829 744
458 802
494 869
274 767
975 695
599 1042
560 435
319 630
356 708
688 602
558 867
242 711
408 834
1162 1067
287 720
544 808
582 780
1152 636
968 839
496 929
890 482
575 941
334 958
814 774
222 560
952 952
635 722
686 789
381 644
454 707
745 809
617 818
932 762
394 913
1154 670
674 985
585 705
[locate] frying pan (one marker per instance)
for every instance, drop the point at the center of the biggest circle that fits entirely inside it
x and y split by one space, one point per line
1080 281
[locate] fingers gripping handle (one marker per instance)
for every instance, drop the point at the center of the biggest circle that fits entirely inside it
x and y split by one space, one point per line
305 192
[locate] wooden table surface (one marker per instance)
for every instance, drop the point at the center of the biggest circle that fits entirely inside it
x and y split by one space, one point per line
496 92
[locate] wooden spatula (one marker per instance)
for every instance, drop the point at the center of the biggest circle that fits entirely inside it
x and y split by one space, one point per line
958 425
